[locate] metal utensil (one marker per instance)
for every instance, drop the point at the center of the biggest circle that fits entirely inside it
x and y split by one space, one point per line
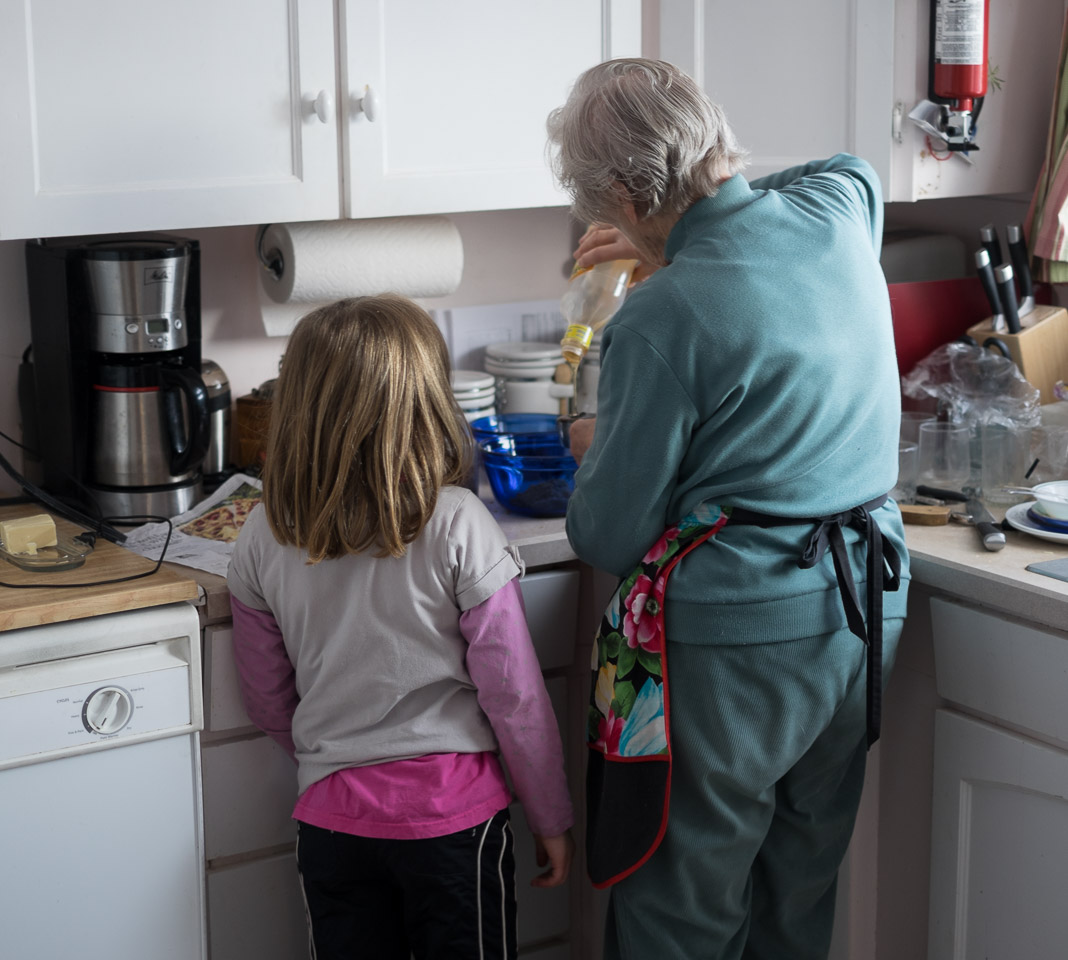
1028 492
985 269
1007 295
990 531
975 513
1021 266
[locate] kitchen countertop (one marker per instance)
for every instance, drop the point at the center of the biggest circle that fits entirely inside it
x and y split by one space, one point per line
947 558
951 559
47 600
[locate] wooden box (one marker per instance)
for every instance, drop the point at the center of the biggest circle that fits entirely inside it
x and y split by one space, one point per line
1040 349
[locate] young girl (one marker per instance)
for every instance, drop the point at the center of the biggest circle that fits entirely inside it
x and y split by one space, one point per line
380 639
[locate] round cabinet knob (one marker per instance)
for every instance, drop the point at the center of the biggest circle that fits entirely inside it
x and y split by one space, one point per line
324 106
107 710
368 103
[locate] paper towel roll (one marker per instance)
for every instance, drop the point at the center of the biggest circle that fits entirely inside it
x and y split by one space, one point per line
331 259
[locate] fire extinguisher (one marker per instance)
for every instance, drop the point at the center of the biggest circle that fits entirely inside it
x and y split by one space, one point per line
958 68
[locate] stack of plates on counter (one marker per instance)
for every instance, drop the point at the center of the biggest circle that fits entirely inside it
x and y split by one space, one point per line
1031 518
475 392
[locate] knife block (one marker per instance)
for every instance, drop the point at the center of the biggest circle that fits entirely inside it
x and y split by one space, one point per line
1040 349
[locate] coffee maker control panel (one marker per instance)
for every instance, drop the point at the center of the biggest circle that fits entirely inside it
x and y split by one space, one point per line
138 334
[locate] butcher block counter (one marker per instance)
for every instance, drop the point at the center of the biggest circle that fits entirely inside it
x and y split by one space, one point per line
50 598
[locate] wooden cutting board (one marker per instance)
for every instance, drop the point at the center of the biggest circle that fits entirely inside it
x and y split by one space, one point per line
49 601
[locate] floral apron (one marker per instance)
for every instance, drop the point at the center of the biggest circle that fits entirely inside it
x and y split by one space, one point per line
628 777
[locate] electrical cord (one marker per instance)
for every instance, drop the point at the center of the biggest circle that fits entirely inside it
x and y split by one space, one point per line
36 493
98 528
85 538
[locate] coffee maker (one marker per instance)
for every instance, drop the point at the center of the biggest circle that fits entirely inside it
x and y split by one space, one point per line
120 409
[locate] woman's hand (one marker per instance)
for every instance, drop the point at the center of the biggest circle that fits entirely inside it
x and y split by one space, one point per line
580 437
602 242
557 853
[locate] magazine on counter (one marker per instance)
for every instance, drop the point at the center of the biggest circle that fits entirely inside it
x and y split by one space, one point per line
203 537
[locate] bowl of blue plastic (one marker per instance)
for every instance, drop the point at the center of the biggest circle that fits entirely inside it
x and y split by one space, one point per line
529 474
513 425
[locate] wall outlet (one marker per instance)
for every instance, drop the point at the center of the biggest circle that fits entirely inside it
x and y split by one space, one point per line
468 330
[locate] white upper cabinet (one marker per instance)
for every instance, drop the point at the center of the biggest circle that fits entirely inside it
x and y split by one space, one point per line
445 103
123 115
127 115
800 81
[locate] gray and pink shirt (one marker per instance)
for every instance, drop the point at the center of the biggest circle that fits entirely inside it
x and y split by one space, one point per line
393 682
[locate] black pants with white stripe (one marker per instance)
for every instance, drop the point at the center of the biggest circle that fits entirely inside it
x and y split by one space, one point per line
445 898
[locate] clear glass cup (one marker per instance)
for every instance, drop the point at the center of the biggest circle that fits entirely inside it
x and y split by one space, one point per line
910 424
907 462
1005 458
944 455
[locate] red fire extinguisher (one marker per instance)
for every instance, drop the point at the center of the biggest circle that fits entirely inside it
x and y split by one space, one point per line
959 66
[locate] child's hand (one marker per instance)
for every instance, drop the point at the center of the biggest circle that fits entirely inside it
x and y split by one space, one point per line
557 852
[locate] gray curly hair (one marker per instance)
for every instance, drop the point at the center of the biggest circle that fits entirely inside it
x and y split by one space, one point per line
643 125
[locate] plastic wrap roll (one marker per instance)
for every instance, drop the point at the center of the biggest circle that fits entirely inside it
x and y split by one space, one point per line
320 262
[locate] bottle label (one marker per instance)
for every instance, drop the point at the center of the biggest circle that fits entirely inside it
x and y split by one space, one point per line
580 334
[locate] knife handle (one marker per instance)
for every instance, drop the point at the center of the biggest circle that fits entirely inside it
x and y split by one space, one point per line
992 535
985 270
940 494
1021 264
988 236
1007 296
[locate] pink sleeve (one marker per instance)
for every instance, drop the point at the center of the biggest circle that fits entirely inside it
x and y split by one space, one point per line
268 681
511 691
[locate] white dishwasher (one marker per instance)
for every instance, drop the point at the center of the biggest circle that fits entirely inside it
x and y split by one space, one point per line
100 798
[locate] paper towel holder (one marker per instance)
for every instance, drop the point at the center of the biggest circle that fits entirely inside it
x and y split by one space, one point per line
272 260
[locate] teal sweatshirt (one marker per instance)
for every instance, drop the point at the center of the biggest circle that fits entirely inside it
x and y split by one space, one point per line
756 369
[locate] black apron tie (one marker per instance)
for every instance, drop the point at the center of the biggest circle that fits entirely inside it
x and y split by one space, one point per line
883 572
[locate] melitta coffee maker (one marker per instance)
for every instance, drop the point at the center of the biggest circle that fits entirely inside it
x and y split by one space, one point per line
120 410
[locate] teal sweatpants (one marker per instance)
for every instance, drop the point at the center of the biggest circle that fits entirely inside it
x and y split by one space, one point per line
768 744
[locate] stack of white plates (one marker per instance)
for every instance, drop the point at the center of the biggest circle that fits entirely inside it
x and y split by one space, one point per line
524 372
475 392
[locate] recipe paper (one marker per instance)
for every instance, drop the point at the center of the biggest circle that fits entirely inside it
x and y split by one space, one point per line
203 537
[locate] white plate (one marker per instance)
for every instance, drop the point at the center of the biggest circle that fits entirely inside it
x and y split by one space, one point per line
1018 518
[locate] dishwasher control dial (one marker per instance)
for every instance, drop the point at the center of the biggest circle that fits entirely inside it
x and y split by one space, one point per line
107 710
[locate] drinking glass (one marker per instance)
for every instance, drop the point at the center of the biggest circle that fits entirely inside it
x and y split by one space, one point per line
944 455
910 425
1006 455
905 489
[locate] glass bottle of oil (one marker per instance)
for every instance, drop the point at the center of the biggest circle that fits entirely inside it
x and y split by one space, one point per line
592 297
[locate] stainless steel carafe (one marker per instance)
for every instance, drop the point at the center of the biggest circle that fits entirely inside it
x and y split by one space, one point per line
150 426
217 459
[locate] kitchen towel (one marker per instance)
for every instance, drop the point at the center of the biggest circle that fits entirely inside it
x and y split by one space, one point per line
327 260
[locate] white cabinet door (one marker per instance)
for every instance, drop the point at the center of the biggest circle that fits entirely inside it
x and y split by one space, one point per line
801 81
124 115
256 911
444 104
999 845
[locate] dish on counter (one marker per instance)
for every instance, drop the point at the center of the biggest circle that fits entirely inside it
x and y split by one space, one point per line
1039 516
67 554
1017 517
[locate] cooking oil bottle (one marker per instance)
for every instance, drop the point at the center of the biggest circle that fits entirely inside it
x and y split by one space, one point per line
592 297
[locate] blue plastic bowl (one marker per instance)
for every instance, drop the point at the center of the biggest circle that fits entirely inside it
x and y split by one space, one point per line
532 475
513 424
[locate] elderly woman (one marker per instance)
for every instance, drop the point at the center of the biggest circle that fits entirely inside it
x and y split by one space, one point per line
748 415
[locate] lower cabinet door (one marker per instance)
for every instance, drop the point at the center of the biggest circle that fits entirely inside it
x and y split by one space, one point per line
542 914
256 909
999 845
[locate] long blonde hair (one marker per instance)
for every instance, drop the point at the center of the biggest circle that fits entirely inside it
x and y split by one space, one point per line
364 429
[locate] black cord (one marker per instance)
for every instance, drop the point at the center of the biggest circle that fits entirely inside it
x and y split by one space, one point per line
57 506
99 583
